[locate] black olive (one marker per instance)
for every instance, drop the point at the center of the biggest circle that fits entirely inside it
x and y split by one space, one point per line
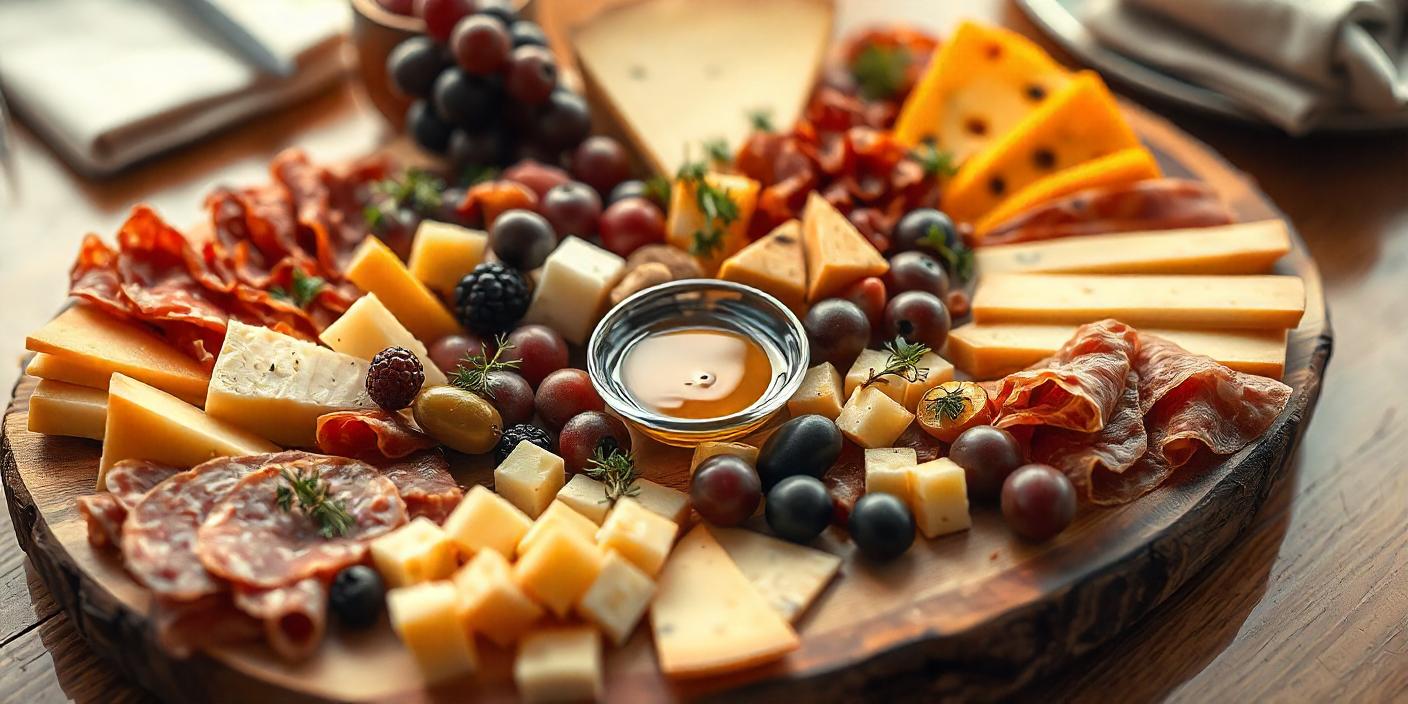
357 596
881 526
798 509
806 444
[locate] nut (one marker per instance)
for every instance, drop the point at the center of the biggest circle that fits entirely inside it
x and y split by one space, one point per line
639 279
678 261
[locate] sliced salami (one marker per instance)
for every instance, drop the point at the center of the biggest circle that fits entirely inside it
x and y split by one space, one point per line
294 617
128 481
425 484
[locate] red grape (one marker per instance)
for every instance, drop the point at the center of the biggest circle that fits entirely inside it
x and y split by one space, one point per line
481 44
441 16
725 490
563 121
916 271
537 176
539 351
601 162
1038 501
918 317
511 396
532 74
449 351
869 293
987 455
587 433
565 393
413 66
837 330
631 223
573 208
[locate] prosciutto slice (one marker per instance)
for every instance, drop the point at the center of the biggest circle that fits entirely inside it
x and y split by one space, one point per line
1078 388
1095 460
373 435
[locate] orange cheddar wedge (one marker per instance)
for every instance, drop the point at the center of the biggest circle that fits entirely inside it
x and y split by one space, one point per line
376 269
775 264
837 254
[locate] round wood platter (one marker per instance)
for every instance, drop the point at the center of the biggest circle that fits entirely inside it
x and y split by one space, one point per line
977 614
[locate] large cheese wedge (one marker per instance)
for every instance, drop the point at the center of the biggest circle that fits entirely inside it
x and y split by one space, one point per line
775 264
1123 167
375 268
687 222
368 327
837 254
707 618
992 351
789 576
671 74
1078 123
981 82
57 408
1202 302
146 423
95 345
277 386
1239 248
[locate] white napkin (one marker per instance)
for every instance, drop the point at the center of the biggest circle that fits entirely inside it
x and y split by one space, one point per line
110 82
1292 62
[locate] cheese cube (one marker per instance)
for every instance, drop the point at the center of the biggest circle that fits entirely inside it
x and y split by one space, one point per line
558 570
492 603
484 520
686 220
869 362
57 408
414 553
586 496
940 498
559 665
571 295
618 598
872 419
888 470
938 371
670 503
376 269
530 478
820 393
424 617
443 253
558 516
705 450
368 327
639 534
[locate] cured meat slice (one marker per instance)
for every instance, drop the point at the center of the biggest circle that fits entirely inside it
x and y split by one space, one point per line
159 535
1099 463
183 627
425 484
1158 204
1078 388
249 539
845 479
293 617
128 482
373 435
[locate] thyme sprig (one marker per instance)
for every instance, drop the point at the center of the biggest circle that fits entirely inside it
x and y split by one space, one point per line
936 163
617 470
879 71
416 189
311 493
903 362
950 403
761 120
718 207
957 257
474 371
718 152
303 289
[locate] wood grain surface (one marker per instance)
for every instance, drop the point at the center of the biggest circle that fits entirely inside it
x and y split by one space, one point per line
1309 605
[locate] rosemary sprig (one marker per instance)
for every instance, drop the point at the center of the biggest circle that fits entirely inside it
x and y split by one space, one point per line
718 208
312 496
879 71
903 362
717 150
958 257
761 120
473 373
303 289
935 162
617 470
950 404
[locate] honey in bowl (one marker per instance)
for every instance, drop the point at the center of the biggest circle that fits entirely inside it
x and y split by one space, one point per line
696 373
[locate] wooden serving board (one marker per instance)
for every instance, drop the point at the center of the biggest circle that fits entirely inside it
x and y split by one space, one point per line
976 614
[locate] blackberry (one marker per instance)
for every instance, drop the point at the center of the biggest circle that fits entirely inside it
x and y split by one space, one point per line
515 434
491 299
394 378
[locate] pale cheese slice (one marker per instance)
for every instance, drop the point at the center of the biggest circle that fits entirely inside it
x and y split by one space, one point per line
368 327
708 618
837 254
57 408
1240 248
76 371
774 264
789 576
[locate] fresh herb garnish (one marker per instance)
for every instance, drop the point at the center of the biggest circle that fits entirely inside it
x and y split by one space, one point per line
617 470
657 188
718 208
950 404
717 150
935 162
478 173
473 372
879 71
761 120
416 189
312 496
303 290
958 257
903 362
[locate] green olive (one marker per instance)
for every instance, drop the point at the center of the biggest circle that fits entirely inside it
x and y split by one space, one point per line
458 418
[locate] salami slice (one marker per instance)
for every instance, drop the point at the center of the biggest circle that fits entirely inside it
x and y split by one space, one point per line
373 435
128 482
250 540
183 627
293 617
425 484
1078 388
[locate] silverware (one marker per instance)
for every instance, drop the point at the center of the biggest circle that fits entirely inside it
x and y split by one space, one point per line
239 38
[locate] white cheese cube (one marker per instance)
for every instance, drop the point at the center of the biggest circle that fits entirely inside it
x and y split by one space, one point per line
821 393
414 553
492 603
367 327
870 362
530 478
558 569
559 665
705 450
486 521
639 534
670 503
424 617
571 294
587 496
940 498
443 253
558 516
872 419
618 598
938 371
888 469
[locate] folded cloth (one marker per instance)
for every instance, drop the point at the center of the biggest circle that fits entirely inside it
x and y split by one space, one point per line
110 82
1292 62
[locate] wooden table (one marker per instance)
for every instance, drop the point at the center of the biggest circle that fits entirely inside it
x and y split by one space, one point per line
1310 605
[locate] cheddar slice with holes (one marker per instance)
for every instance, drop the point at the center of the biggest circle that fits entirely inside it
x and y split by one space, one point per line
1123 167
979 85
837 254
1078 123
775 264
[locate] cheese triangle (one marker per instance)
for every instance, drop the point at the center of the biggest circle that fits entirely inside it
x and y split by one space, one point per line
775 264
837 254
1123 167
788 575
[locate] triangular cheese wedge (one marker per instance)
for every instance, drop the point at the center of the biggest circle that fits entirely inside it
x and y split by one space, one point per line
775 264
1080 123
1123 167
707 618
979 85
837 254
788 575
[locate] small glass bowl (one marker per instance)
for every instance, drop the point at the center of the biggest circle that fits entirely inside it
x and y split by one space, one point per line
698 304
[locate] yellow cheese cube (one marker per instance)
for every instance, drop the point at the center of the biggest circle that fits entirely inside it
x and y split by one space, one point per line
937 370
414 553
443 253
558 570
570 295
868 363
376 269
484 520
530 478
705 450
639 534
57 408
424 617
559 665
888 470
940 498
837 254
492 603
670 503
775 264
820 393
368 327
618 598
558 516
586 496
686 219
872 419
